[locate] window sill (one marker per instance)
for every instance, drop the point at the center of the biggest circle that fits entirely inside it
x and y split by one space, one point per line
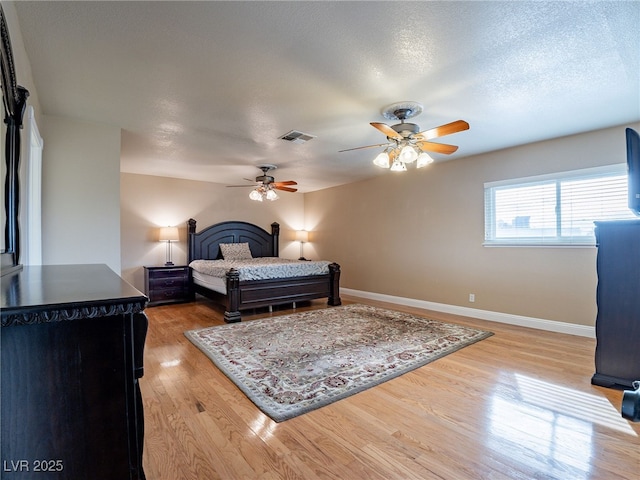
543 245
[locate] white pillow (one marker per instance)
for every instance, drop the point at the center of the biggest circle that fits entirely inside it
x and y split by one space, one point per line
235 251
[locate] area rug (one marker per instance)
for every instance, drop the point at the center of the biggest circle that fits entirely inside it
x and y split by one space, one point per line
291 364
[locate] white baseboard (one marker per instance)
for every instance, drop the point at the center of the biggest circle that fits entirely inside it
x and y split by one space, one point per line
530 322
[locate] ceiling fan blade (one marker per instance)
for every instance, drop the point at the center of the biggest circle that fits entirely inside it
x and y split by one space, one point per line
366 146
387 130
286 189
442 130
437 147
286 182
252 186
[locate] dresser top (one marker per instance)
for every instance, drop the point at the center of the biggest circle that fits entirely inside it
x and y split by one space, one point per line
49 293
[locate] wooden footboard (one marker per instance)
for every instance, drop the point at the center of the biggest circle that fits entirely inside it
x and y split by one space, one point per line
242 295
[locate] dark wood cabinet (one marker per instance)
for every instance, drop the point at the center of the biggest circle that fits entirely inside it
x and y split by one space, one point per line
167 284
72 345
617 356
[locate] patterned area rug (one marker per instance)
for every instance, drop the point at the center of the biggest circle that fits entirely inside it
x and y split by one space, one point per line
292 364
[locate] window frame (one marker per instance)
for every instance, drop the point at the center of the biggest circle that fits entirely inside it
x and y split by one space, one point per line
490 221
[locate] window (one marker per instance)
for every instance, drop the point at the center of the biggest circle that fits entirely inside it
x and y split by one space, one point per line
556 209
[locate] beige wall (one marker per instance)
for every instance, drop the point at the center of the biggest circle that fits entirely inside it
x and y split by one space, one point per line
80 192
149 202
419 234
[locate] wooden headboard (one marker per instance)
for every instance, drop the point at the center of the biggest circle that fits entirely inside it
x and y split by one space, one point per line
205 245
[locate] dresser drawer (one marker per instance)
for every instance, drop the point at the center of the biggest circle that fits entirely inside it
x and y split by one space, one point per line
168 281
176 294
168 272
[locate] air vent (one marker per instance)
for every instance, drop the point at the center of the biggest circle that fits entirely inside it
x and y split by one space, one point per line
297 137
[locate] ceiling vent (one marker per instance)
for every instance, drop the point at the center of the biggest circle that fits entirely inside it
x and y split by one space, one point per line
297 137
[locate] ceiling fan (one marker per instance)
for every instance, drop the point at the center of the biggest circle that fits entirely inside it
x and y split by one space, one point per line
265 185
405 142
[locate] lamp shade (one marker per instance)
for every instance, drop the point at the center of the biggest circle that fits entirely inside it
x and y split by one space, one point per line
169 234
302 236
255 195
408 154
398 166
382 160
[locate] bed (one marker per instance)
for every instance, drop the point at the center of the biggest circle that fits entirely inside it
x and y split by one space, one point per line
236 292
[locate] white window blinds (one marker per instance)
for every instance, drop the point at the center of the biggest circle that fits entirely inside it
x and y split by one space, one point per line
556 209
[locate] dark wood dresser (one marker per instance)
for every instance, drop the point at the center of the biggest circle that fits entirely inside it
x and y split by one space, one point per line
617 355
72 344
167 284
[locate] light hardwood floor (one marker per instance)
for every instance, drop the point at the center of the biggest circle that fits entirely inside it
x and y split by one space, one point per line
518 405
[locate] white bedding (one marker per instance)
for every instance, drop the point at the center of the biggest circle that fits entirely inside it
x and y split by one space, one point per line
263 268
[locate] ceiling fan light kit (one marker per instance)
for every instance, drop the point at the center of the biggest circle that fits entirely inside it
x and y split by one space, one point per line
260 193
266 186
406 143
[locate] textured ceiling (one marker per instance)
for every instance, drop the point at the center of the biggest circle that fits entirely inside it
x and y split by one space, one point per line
204 90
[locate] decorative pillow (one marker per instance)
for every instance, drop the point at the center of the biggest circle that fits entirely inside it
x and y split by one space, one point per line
235 251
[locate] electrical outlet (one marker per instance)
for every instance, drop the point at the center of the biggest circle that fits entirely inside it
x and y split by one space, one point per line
472 297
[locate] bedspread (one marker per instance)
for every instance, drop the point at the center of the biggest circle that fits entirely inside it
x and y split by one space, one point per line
261 268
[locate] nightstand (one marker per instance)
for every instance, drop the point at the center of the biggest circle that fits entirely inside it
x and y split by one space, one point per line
167 284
